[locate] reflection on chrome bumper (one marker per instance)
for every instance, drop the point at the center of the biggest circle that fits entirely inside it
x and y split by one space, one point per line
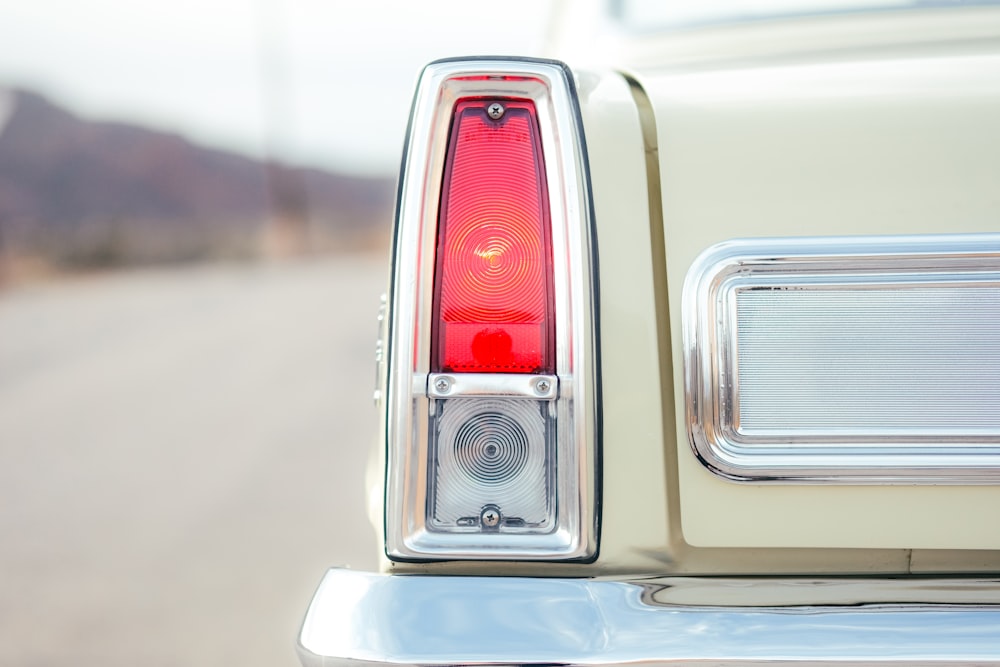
357 618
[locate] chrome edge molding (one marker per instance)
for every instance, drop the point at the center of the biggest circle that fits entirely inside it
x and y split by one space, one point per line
547 84
358 618
855 452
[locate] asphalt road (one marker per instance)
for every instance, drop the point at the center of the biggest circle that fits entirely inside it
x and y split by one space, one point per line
181 458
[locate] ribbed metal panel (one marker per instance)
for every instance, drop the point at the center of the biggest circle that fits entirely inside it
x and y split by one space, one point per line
853 359
907 360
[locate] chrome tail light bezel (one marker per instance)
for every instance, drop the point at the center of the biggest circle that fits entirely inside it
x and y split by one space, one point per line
412 388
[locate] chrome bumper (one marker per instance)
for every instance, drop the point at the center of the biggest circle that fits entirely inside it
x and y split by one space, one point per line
359 618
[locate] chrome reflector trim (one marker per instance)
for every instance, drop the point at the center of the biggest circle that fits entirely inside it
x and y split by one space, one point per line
413 389
867 359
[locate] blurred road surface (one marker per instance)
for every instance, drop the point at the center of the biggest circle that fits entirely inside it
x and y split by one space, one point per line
181 458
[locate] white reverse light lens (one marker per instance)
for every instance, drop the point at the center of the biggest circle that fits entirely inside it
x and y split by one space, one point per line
493 466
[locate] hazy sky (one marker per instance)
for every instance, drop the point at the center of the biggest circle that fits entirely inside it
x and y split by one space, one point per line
326 82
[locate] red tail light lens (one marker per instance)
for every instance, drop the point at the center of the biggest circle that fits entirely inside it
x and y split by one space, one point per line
492 302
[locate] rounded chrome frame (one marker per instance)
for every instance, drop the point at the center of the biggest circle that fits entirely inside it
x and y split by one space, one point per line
549 86
852 453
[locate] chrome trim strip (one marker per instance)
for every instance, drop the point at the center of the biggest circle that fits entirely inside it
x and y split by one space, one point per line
548 85
453 385
358 618
859 271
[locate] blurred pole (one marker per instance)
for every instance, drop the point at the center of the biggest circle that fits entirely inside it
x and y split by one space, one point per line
287 230
6 110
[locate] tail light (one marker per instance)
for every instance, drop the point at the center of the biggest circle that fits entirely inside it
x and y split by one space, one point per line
493 290
491 409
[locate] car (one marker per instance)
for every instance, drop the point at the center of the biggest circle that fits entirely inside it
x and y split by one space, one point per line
691 351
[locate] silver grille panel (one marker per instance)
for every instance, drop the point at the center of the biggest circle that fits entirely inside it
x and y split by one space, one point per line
857 360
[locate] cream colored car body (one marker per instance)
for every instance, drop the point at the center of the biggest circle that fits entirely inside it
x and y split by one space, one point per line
853 125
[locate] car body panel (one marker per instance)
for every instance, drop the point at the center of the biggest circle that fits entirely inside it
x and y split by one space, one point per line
901 143
668 513
851 125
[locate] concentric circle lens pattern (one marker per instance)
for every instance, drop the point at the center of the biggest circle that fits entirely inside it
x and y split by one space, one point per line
493 254
491 451
491 448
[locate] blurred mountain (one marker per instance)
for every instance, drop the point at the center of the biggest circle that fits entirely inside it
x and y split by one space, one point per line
80 192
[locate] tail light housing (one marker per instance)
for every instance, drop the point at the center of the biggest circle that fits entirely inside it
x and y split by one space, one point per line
491 412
